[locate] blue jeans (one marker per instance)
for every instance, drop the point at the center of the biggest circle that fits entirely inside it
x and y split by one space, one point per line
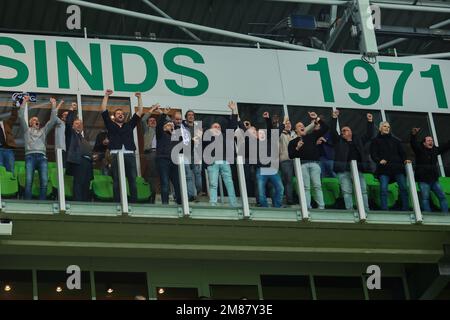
346 183
275 180
425 195
326 167
130 173
193 179
168 171
287 171
36 161
311 176
7 159
401 181
223 168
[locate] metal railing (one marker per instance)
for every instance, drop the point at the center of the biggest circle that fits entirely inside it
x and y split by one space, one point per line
358 191
413 193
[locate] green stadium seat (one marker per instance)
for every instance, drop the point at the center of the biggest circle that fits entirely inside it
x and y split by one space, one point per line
8 183
143 189
331 191
330 188
68 182
445 185
97 172
19 166
102 186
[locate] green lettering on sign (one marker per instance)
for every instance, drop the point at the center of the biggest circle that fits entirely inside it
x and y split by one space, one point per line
20 67
151 73
406 70
40 56
202 80
371 83
435 74
325 78
64 52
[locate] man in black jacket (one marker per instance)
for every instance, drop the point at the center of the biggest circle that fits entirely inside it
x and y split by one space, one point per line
348 147
121 138
168 169
427 172
390 157
305 148
79 156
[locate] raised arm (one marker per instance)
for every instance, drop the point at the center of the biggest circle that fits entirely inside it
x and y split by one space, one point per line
333 126
53 117
23 122
369 135
233 121
140 111
413 140
104 104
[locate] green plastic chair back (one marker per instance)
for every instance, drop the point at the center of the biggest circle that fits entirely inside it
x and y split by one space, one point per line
102 186
8 183
68 182
143 189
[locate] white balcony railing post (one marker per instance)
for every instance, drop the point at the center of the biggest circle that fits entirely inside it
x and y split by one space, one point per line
122 182
183 186
358 191
301 189
243 186
61 186
413 193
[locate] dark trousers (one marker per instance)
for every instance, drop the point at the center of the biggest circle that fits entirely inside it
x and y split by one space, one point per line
168 171
82 175
130 173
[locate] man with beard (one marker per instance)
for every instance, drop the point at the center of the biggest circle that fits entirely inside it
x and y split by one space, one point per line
120 134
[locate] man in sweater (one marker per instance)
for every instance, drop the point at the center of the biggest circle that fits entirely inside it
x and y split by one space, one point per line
305 148
35 148
121 138
348 147
218 156
427 172
7 141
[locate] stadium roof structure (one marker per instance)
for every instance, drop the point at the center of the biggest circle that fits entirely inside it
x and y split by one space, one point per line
412 27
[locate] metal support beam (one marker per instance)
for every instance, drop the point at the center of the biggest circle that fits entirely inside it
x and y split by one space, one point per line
413 193
183 186
188 25
122 183
301 189
243 186
358 191
382 5
441 55
399 40
61 186
165 15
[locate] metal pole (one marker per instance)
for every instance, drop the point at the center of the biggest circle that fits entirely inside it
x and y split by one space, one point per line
61 186
165 15
395 41
413 192
358 191
122 182
183 186
301 189
432 55
382 5
243 186
190 25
